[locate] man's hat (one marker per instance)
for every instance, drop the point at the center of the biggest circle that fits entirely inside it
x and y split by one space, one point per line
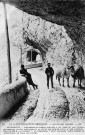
22 66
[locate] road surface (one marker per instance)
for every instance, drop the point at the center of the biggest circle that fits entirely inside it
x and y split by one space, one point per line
75 97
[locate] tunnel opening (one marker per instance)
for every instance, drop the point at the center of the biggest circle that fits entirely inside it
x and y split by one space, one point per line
34 55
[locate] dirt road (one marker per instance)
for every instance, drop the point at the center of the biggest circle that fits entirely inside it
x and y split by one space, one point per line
75 97
50 98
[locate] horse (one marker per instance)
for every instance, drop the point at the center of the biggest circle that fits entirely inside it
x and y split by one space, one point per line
77 73
63 73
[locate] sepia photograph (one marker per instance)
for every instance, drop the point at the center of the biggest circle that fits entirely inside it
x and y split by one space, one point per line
42 67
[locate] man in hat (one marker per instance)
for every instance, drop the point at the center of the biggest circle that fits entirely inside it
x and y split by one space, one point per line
28 77
49 72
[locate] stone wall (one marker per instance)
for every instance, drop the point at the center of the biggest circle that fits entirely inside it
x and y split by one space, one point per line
11 95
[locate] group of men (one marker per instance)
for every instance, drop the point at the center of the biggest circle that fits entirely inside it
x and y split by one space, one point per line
49 73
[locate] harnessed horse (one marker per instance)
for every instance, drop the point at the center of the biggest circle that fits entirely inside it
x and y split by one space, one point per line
64 73
77 74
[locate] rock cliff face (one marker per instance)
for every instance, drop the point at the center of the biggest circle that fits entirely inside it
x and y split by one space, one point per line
55 42
70 14
51 39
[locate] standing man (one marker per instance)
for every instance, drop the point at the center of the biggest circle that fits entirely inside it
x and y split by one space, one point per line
49 72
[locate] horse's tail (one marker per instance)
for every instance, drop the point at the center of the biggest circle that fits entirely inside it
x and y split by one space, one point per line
82 72
56 77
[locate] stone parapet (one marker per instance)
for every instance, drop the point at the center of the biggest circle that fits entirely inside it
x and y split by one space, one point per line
11 95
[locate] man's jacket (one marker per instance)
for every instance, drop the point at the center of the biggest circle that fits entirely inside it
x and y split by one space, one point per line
49 71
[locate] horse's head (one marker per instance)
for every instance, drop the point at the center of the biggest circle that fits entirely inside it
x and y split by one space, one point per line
68 67
72 70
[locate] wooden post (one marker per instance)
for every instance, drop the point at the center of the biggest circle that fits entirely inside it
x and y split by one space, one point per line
21 55
31 55
8 45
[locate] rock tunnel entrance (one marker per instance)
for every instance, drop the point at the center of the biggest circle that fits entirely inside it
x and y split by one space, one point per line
72 22
70 14
34 55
